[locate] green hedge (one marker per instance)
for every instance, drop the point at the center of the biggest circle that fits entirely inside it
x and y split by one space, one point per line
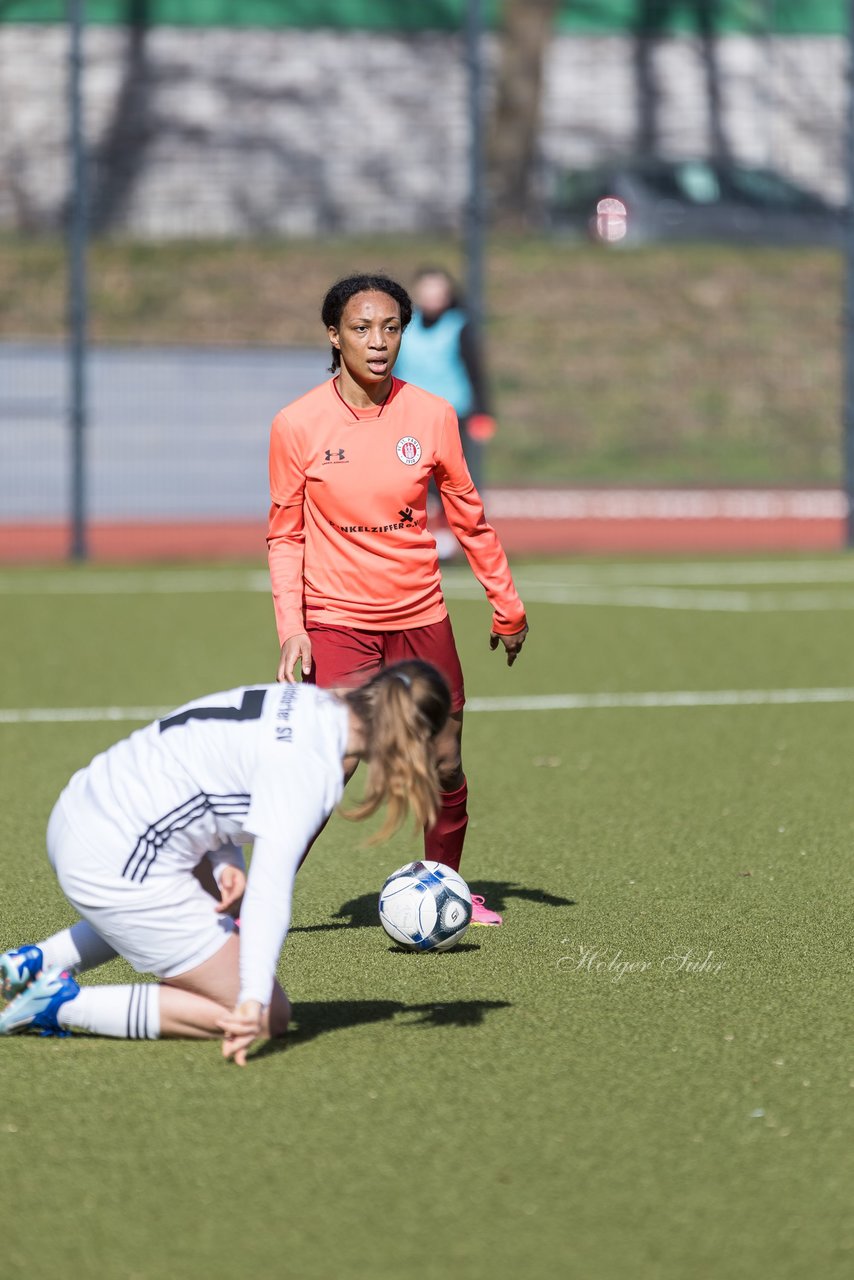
791 17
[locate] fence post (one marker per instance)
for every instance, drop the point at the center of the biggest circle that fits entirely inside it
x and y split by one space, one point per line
77 292
476 206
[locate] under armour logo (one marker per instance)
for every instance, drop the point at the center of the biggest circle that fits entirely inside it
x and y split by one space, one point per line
337 453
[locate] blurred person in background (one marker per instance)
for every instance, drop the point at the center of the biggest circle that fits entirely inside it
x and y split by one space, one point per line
440 352
353 565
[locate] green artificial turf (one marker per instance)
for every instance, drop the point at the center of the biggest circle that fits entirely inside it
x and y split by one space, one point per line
523 1106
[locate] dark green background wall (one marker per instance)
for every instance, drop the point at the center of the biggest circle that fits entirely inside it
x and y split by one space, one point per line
791 17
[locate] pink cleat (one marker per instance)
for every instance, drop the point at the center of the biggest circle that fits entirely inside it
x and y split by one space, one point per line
481 914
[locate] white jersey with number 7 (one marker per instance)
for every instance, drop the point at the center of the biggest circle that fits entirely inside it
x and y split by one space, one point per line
258 764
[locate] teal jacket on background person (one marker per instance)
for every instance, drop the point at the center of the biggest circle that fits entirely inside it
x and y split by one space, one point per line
442 355
431 357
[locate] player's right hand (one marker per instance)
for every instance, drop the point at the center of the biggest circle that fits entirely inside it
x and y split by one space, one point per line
295 649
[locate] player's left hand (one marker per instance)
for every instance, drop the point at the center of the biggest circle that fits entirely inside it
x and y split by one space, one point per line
241 1028
232 886
480 426
512 644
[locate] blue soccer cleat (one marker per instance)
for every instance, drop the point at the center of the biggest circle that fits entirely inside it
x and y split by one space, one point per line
37 1006
18 969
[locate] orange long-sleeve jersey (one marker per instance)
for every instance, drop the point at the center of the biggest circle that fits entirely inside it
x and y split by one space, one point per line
348 538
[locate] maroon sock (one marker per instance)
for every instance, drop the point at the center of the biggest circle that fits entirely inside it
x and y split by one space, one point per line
444 842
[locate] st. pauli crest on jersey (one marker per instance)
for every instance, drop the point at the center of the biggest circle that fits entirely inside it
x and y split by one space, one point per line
408 450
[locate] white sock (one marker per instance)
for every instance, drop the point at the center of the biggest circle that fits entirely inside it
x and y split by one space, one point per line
79 947
130 1012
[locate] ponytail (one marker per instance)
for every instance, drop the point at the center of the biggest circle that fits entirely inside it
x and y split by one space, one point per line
402 710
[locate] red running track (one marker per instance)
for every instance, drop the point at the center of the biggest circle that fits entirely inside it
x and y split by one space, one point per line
528 521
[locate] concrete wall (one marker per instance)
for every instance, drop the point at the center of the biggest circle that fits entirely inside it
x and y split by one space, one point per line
238 132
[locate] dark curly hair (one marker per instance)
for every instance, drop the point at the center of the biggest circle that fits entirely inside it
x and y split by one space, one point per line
342 291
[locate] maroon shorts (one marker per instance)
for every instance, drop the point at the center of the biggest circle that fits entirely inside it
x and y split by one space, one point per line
347 656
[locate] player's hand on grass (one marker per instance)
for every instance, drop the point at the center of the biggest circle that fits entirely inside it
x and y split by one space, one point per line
232 886
512 644
295 649
241 1028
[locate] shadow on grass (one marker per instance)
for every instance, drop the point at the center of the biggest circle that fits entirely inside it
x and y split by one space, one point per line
455 950
361 912
315 1018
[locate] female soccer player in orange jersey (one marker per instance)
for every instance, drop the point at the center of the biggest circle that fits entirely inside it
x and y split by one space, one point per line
354 569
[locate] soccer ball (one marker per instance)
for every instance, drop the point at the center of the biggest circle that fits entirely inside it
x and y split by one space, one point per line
425 906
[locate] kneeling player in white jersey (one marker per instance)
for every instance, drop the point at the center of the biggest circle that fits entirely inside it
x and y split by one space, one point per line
263 765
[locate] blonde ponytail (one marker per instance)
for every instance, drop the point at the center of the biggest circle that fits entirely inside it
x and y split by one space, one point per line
402 710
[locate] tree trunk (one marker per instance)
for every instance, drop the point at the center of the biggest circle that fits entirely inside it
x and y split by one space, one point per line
119 161
527 30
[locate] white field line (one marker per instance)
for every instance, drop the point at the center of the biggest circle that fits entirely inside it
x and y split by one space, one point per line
632 586
692 574
80 715
581 595
535 702
655 700
457 579
670 598
162 582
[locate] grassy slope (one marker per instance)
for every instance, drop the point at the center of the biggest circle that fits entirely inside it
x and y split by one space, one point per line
685 364
495 1111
